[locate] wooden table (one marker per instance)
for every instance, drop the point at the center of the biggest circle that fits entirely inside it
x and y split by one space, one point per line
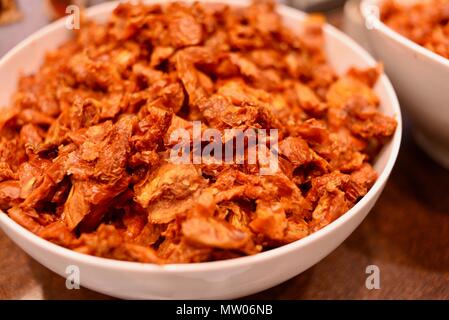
406 235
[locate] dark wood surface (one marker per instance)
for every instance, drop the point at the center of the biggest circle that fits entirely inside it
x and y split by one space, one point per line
406 235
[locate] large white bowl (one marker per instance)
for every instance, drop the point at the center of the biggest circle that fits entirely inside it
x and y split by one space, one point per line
421 78
213 280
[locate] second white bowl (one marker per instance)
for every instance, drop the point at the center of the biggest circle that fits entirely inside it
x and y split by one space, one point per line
421 78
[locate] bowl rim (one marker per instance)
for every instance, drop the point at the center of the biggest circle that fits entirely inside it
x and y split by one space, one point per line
367 5
88 260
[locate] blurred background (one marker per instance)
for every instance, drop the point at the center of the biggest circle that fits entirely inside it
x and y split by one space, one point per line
20 18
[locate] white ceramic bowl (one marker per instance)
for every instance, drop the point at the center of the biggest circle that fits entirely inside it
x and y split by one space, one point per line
213 280
421 78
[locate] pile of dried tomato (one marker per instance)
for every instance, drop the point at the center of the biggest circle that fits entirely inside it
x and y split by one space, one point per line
84 157
425 22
